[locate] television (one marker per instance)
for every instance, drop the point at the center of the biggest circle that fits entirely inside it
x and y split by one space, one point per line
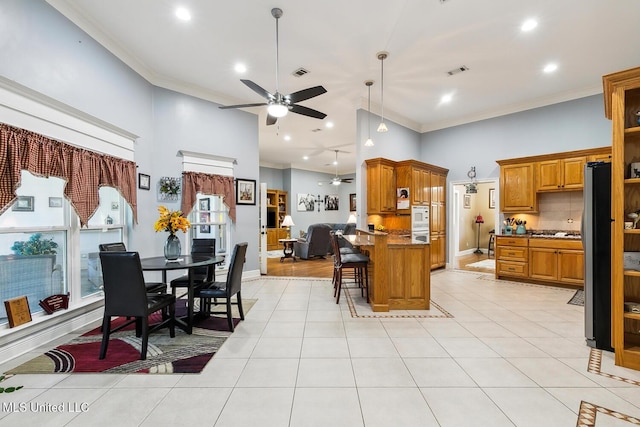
271 219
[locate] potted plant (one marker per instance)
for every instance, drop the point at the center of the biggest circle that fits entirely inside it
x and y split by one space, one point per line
36 245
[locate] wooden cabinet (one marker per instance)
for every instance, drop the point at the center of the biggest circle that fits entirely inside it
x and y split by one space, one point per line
277 209
561 174
516 188
558 261
521 179
622 101
409 287
416 177
427 186
438 219
381 186
512 257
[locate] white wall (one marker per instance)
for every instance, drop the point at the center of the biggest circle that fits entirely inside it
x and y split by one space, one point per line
42 50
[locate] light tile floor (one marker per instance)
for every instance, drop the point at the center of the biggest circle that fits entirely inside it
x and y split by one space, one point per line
497 354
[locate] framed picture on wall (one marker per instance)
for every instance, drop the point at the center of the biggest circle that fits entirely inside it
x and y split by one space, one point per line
144 181
352 202
203 204
245 191
492 198
55 202
205 217
23 204
466 201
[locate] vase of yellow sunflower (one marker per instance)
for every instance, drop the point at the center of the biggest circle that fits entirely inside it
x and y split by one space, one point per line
171 221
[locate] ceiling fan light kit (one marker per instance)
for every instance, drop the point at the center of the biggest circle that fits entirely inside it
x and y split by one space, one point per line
279 105
382 56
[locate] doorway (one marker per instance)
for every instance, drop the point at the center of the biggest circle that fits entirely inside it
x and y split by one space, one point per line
469 241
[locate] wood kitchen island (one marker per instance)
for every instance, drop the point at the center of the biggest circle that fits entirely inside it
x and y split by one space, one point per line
399 271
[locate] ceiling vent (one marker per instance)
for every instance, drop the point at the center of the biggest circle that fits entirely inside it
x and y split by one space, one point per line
316 130
458 70
300 72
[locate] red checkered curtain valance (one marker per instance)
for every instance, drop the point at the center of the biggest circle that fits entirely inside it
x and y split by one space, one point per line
84 171
198 182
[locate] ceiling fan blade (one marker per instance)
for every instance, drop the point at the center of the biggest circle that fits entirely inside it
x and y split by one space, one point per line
258 89
305 111
271 120
305 94
259 104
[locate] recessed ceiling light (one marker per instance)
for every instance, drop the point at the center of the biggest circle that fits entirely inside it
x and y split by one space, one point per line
305 157
446 98
550 68
183 14
529 25
240 68
287 138
329 124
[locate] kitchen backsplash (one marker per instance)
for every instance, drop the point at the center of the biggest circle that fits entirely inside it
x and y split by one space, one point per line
555 209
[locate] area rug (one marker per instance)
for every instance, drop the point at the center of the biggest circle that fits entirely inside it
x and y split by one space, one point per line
485 263
577 298
165 355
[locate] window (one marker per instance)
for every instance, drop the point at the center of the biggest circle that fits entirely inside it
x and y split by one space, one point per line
37 237
209 219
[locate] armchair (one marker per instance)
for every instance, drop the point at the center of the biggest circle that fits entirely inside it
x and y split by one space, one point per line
316 243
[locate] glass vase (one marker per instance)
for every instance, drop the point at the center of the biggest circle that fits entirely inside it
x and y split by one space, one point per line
172 248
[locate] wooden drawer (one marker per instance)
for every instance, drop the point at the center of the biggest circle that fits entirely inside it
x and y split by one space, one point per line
511 241
512 253
575 244
511 268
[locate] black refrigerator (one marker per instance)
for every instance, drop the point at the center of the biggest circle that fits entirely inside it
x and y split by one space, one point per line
596 241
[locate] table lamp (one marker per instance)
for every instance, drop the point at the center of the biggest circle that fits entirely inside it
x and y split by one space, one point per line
287 222
352 219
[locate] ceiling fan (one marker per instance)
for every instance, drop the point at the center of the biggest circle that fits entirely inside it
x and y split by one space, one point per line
336 180
278 105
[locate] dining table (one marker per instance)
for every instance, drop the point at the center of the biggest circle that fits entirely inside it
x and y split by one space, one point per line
184 262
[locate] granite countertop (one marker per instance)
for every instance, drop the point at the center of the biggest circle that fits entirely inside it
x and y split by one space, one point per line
547 234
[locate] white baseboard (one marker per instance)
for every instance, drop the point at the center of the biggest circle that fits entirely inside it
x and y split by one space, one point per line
32 336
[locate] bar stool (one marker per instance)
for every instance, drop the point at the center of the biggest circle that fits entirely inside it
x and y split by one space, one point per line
492 241
356 261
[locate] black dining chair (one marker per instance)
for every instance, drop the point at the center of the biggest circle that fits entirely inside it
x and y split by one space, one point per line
225 290
152 287
125 295
201 275
356 261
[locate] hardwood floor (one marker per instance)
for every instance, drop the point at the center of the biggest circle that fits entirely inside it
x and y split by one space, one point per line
318 267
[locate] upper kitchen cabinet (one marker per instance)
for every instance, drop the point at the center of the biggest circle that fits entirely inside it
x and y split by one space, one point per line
517 187
521 179
416 177
561 174
381 186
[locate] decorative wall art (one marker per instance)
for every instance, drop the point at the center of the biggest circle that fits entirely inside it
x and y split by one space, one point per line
55 202
115 206
492 198
245 191
169 188
144 181
23 204
466 201
352 202
205 217
331 202
306 202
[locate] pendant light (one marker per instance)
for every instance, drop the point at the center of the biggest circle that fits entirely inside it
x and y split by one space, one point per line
382 56
369 141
